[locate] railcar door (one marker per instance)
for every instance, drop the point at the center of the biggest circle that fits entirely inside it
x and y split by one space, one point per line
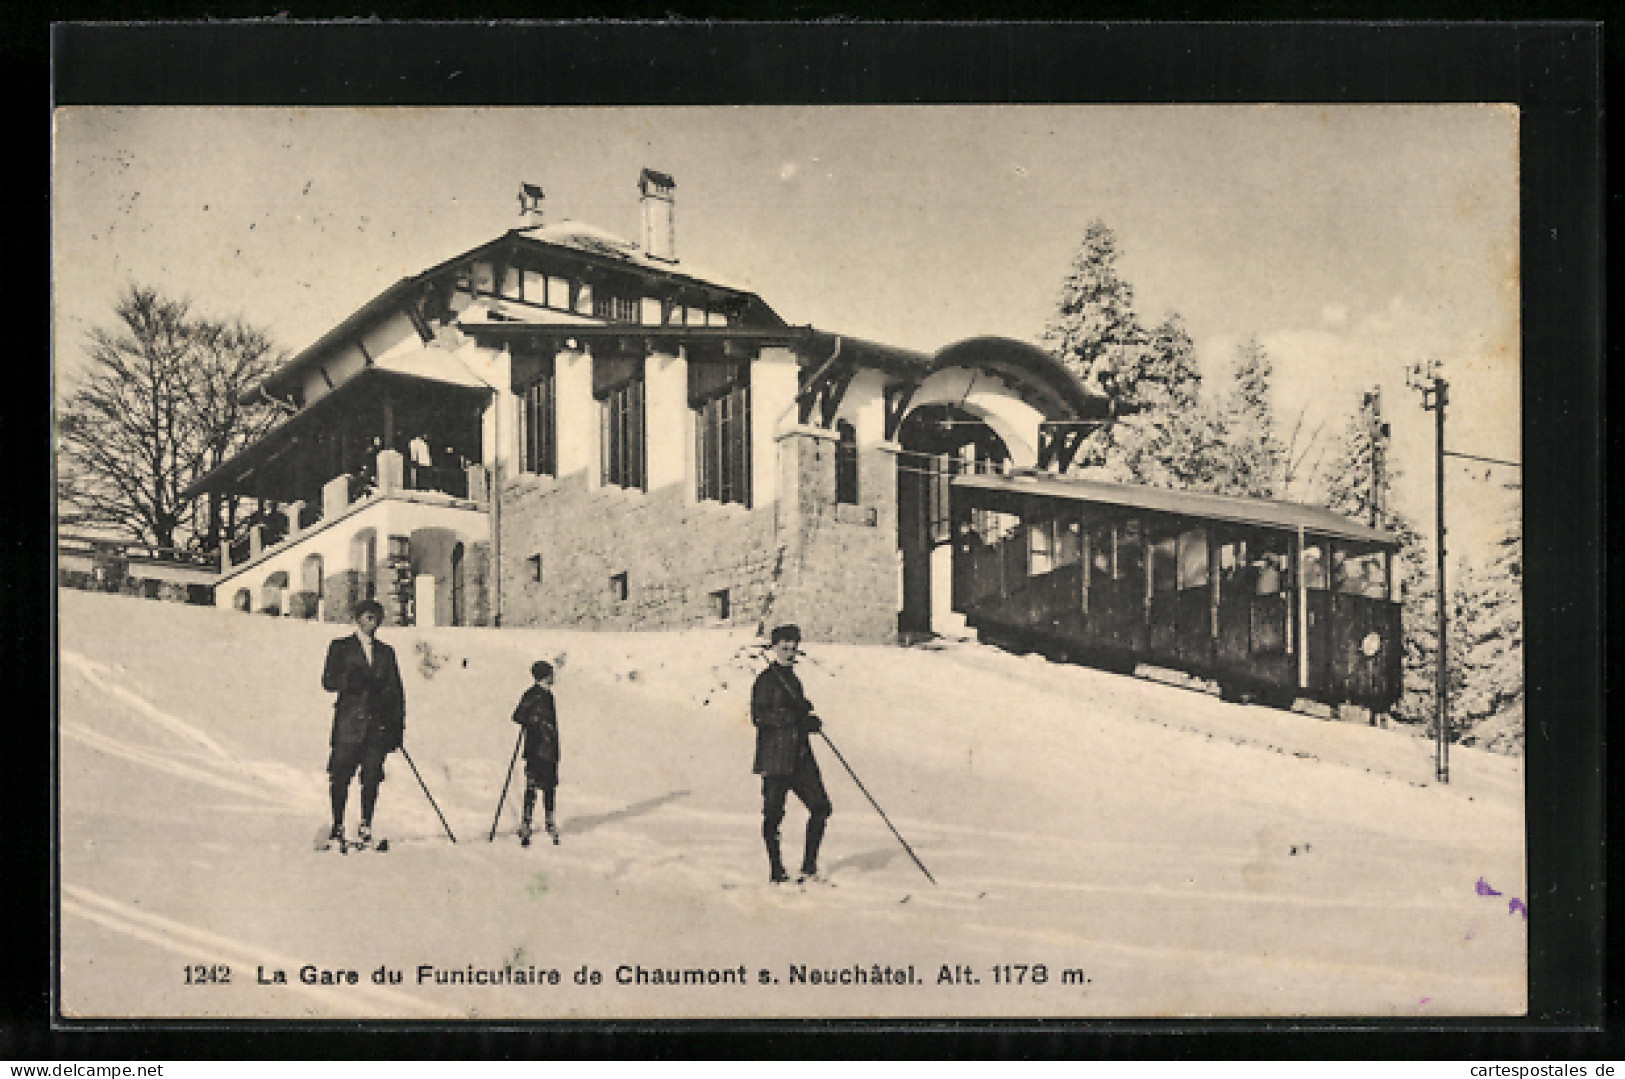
1320 616
1257 639
1162 599
1194 628
1117 589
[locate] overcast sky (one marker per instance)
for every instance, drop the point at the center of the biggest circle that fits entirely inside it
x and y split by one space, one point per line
1351 240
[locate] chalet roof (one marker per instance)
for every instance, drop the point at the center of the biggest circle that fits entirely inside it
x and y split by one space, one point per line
1262 512
429 365
591 245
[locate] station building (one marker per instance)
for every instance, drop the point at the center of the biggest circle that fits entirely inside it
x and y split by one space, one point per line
563 427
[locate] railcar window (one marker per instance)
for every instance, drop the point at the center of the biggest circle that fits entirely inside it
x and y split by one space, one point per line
1100 552
1193 558
1361 575
1162 565
1270 573
1130 560
1040 550
1068 543
1314 566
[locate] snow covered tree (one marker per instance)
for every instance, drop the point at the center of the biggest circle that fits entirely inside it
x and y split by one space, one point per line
1094 330
1489 631
157 408
1172 440
1252 457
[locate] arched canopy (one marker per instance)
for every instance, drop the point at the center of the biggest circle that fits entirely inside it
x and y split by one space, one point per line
1029 372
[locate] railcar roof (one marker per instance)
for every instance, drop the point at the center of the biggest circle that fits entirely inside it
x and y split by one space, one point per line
1262 512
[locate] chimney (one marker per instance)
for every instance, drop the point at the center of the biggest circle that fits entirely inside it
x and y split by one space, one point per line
530 205
659 227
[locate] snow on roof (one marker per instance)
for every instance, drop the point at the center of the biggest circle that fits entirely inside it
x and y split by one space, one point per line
597 241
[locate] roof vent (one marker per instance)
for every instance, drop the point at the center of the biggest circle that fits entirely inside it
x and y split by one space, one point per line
659 225
530 205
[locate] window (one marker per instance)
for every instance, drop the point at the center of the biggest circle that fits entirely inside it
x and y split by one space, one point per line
539 423
621 430
1040 548
846 464
534 564
511 276
1068 543
719 394
1361 574
719 604
533 288
1314 566
618 587
1162 565
558 293
1193 570
1128 554
614 308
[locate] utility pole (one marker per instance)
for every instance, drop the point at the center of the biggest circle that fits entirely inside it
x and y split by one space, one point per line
1379 443
1435 392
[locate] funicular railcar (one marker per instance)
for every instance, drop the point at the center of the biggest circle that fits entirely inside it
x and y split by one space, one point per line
1272 600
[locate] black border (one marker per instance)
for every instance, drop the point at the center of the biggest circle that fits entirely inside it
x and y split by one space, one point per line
1552 71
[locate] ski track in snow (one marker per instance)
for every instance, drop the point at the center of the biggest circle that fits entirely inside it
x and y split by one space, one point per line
672 850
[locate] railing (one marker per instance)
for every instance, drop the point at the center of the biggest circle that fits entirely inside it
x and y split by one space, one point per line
451 481
274 526
134 551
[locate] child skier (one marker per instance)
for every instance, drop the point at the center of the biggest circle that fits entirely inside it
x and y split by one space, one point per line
537 718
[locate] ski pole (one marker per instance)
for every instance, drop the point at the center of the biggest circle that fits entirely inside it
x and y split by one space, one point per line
876 804
427 795
520 741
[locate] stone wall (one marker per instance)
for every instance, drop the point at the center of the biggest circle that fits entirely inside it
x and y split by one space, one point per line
841 579
830 568
675 555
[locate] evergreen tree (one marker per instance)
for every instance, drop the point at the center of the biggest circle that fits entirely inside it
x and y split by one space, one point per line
1094 331
1171 441
1096 335
1489 633
1253 460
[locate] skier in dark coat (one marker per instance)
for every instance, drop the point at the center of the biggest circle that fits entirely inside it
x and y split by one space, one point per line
784 722
369 716
538 718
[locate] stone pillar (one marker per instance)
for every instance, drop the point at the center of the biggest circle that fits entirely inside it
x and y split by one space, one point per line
391 471
256 541
335 495
292 511
225 555
478 490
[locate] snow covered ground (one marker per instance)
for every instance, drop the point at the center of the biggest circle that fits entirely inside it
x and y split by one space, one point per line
1156 851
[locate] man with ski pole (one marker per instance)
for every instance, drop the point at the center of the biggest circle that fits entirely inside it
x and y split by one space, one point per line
784 725
369 717
784 722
